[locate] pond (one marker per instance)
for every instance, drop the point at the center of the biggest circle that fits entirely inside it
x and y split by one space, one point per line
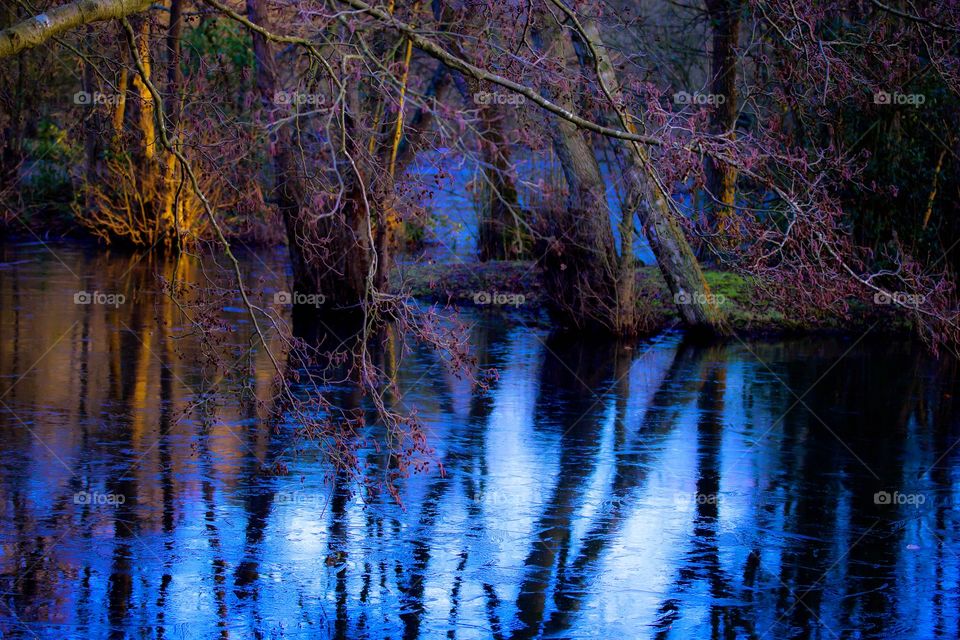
755 489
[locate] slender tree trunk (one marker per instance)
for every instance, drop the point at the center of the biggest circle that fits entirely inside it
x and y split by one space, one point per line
721 177
171 215
501 236
287 190
92 141
675 258
419 125
415 130
174 72
120 111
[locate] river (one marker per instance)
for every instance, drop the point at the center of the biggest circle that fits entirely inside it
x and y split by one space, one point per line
773 489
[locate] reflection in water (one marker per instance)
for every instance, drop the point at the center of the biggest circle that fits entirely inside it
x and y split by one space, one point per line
751 490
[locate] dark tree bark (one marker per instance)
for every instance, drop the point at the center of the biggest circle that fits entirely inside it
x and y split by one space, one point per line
265 66
330 254
174 72
12 153
501 234
92 145
579 260
721 177
500 227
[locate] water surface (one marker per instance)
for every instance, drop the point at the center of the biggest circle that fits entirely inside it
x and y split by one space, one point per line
759 489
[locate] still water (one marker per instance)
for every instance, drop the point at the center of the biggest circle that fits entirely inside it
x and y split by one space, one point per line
758 489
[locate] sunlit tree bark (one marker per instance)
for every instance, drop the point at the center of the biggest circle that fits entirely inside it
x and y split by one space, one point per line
38 29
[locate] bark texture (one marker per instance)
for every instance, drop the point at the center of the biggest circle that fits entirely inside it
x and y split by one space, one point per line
330 254
579 261
38 29
501 233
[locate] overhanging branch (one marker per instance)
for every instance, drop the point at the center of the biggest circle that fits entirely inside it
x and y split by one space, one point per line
35 31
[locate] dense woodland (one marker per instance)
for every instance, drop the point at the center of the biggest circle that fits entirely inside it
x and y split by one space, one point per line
812 148
232 310
808 150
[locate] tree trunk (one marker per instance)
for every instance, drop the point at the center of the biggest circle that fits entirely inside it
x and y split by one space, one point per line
501 235
120 111
579 260
146 105
171 214
265 66
675 258
500 231
92 141
721 177
174 72
330 255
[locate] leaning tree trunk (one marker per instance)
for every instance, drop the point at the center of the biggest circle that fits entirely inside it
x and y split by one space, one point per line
288 191
675 258
722 177
33 32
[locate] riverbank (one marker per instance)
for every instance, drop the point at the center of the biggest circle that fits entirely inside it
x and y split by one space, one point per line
517 285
